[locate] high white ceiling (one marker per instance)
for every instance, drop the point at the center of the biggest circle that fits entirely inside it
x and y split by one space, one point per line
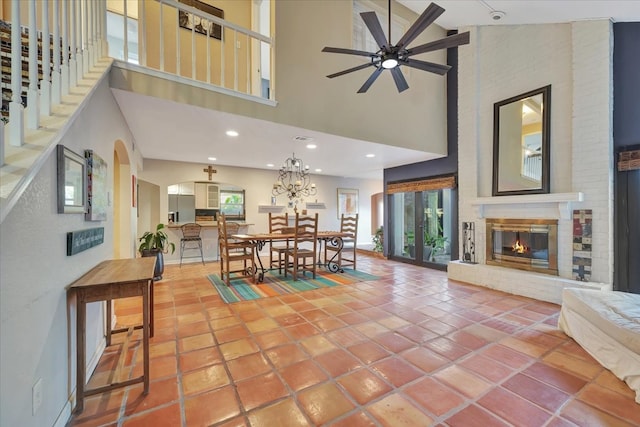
152 119
460 13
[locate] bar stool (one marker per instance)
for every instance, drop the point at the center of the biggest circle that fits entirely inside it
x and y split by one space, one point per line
191 240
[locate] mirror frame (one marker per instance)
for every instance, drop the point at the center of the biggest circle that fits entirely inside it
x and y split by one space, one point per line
546 132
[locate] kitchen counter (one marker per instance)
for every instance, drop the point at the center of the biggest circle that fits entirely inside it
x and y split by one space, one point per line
209 235
205 224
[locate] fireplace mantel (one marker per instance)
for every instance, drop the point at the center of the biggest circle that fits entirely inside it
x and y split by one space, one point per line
563 200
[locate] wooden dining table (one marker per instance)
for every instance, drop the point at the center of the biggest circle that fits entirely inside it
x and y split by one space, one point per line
332 238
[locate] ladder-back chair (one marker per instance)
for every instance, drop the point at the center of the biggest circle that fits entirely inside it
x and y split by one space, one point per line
302 254
233 252
349 225
277 249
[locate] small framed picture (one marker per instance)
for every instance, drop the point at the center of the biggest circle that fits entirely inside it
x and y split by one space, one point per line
72 175
347 201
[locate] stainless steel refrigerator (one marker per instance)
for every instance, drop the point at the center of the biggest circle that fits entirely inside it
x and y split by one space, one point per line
182 207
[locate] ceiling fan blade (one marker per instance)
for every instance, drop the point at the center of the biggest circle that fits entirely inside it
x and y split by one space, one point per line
398 77
372 78
349 51
426 66
371 20
447 42
430 14
350 70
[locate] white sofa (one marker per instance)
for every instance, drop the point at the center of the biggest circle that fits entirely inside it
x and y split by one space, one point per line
607 325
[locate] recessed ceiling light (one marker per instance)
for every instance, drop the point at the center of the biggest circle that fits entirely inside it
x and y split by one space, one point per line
318 170
311 146
213 159
370 155
232 133
270 165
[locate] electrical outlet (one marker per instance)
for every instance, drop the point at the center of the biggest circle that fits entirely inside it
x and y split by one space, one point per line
36 396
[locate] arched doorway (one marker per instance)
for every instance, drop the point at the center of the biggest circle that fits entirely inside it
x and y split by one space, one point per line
123 227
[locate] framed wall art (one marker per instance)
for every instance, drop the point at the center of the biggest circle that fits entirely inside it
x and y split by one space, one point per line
96 187
198 24
347 201
71 181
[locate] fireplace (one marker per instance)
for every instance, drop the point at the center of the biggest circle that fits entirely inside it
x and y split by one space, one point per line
525 244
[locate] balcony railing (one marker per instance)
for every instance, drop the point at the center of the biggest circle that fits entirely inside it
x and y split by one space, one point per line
183 41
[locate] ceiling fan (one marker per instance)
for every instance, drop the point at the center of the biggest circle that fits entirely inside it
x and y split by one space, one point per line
391 57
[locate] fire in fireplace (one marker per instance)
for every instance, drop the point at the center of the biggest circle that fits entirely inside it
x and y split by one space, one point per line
526 244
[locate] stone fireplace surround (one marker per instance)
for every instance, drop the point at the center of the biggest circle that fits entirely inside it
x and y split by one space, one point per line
540 286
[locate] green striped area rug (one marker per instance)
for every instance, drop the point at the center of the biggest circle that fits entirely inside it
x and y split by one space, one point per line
275 284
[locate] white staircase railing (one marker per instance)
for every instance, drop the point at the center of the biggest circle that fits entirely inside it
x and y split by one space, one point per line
49 78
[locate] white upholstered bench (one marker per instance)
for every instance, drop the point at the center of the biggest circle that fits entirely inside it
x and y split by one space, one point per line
607 325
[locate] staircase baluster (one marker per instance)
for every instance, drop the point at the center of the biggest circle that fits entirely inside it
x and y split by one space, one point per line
73 67
16 109
55 73
64 70
78 31
33 98
85 37
45 83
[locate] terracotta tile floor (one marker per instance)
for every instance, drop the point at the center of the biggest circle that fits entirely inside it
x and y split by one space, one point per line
410 349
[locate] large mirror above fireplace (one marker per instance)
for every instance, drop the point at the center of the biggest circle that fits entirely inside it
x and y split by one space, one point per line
521 143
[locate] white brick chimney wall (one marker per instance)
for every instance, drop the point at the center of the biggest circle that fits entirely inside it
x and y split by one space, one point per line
504 61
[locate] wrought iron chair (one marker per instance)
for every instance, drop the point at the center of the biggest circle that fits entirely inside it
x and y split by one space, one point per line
190 240
349 225
301 257
232 252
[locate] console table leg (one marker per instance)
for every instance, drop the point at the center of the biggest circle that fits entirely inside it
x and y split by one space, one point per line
80 347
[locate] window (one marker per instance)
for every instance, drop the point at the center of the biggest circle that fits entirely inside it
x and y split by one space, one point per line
362 38
232 204
115 37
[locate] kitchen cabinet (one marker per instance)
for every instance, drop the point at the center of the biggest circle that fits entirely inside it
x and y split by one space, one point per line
207 195
184 189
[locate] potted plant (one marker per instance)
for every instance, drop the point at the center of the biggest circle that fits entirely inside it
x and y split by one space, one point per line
434 245
155 244
378 240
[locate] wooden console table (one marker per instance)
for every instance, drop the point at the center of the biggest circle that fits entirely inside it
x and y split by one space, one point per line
113 279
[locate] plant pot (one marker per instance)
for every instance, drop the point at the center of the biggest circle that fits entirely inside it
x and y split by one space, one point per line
159 269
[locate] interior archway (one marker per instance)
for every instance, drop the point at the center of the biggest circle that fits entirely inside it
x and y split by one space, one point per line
123 242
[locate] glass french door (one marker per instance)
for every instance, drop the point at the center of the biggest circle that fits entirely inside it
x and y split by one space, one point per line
421 226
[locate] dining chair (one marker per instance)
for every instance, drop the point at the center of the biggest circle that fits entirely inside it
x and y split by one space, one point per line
191 240
277 249
233 252
302 254
349 225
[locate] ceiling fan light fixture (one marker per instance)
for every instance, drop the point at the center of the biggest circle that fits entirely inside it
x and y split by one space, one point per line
389 63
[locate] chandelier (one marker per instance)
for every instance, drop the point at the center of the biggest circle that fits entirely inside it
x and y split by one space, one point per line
294 180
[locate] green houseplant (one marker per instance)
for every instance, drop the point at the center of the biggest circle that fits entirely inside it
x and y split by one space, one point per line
155 244
378 240
434 244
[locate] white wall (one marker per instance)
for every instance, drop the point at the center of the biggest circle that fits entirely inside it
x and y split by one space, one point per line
258 184
576 59
37 325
